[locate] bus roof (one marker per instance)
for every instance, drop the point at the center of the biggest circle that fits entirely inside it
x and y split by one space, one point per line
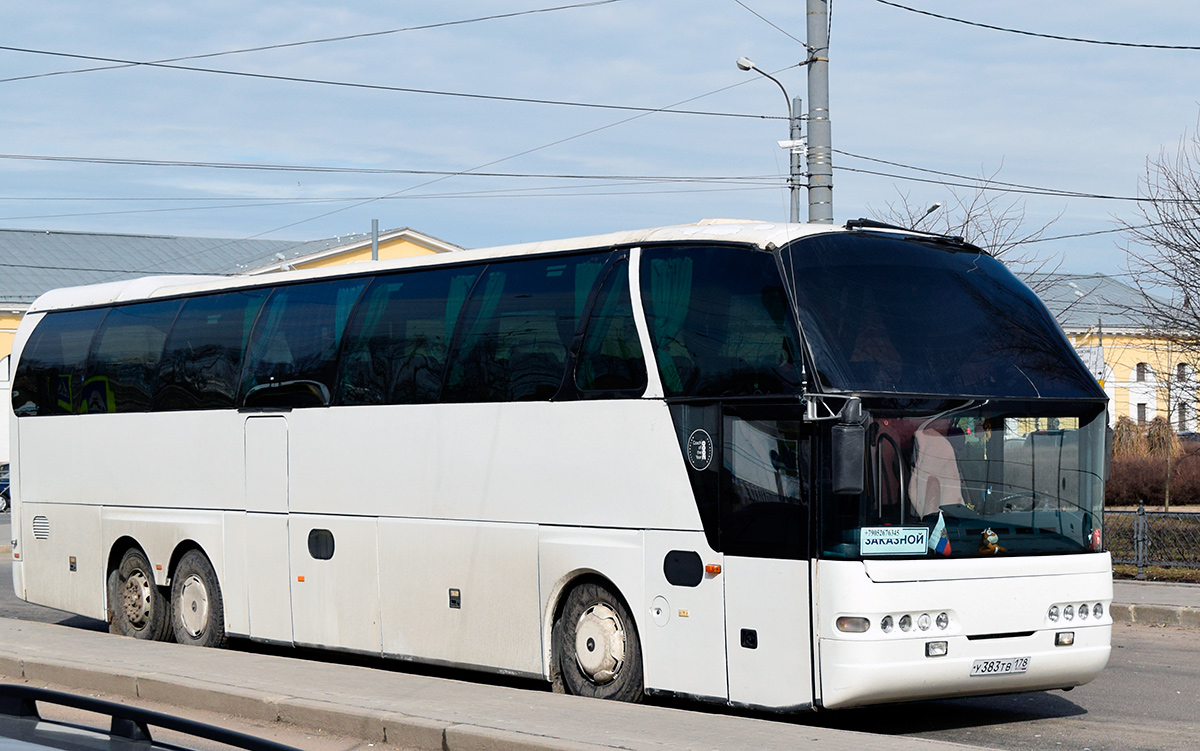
762 234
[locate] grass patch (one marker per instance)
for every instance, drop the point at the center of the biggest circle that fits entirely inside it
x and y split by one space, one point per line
1158 573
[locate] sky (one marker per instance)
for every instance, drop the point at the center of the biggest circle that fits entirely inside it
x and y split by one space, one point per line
147 149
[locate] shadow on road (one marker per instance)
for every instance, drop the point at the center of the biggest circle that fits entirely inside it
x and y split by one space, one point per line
950 714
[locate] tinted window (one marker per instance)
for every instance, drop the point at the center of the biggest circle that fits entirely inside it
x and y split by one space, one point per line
719 320
49 378
292 359
125 356
202 361
906 316
396 342
521 319
611 356
764 493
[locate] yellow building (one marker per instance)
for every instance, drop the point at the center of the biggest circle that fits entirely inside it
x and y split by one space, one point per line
1144 375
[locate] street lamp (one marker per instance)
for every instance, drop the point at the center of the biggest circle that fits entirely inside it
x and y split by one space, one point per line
795 144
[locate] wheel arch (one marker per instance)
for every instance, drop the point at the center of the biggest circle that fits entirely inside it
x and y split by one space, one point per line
182 549
116 552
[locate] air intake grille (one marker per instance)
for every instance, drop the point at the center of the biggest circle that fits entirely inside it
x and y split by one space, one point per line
41 528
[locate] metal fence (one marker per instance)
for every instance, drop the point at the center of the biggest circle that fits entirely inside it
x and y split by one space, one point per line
1153 538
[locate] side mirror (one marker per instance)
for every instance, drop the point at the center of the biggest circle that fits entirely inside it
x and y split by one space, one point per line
849 450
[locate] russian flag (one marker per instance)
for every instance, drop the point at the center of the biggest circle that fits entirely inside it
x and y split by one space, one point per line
939 541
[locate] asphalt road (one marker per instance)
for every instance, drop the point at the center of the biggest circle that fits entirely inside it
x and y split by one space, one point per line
1147 698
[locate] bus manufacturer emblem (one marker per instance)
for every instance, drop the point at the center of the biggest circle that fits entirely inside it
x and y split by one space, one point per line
700 450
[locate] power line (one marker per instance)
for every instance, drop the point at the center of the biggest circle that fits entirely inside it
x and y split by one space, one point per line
982 183
265 167
343 38
772 24
1037 34
381 87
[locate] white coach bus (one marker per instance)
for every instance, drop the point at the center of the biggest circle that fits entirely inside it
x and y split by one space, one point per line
779 466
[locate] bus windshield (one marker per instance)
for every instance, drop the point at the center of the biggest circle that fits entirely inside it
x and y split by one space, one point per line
986 480
919 316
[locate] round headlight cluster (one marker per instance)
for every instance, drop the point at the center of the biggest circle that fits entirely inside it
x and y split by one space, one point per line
1069 612
922 622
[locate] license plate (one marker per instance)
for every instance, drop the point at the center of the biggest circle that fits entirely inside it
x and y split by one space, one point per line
1001 666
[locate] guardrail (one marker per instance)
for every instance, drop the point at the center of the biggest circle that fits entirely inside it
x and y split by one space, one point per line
1153 538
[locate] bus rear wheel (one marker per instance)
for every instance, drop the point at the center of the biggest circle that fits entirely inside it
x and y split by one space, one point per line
136 605
197 610
596 647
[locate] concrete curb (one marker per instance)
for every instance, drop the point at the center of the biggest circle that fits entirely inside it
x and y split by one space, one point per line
1156 615
416 733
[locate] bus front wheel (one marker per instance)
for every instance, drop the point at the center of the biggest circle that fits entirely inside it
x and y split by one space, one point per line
136 606
596 647
197 610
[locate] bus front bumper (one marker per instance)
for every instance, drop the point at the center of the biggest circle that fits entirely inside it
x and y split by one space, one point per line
859 671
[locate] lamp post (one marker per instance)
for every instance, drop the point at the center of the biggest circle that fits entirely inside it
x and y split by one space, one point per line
794 145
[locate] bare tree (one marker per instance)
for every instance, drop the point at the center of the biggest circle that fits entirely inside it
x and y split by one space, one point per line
1164 243
987 217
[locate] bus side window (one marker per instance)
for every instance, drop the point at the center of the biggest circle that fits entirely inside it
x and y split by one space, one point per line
397 338
202 359
292 358
49 377
521 318
125 355
610 359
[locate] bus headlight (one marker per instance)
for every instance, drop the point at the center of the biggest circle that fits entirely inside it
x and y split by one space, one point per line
936 648
887 624
943 621
905 622
1084 612
1052 614
1069 613
923 621
1097 611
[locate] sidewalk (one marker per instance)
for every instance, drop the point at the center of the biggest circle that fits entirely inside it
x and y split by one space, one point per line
1156 603
402 709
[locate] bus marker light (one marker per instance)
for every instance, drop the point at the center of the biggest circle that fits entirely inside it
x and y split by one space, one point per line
853 625
905 622
936 648
943 621
1097 611
886 624
923 621
158 567
1064 638
713 568
299 578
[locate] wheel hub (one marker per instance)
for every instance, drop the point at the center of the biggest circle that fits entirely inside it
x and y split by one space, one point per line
600 643
193 609
135 600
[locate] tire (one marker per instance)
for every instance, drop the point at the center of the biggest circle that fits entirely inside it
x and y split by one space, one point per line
197 610
4 502
596 651
136 605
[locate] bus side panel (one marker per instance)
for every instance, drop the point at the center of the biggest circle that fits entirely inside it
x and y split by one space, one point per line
166 460
769 633
335 581
596 464
159 532
683 632
566 553
62 545
461 592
